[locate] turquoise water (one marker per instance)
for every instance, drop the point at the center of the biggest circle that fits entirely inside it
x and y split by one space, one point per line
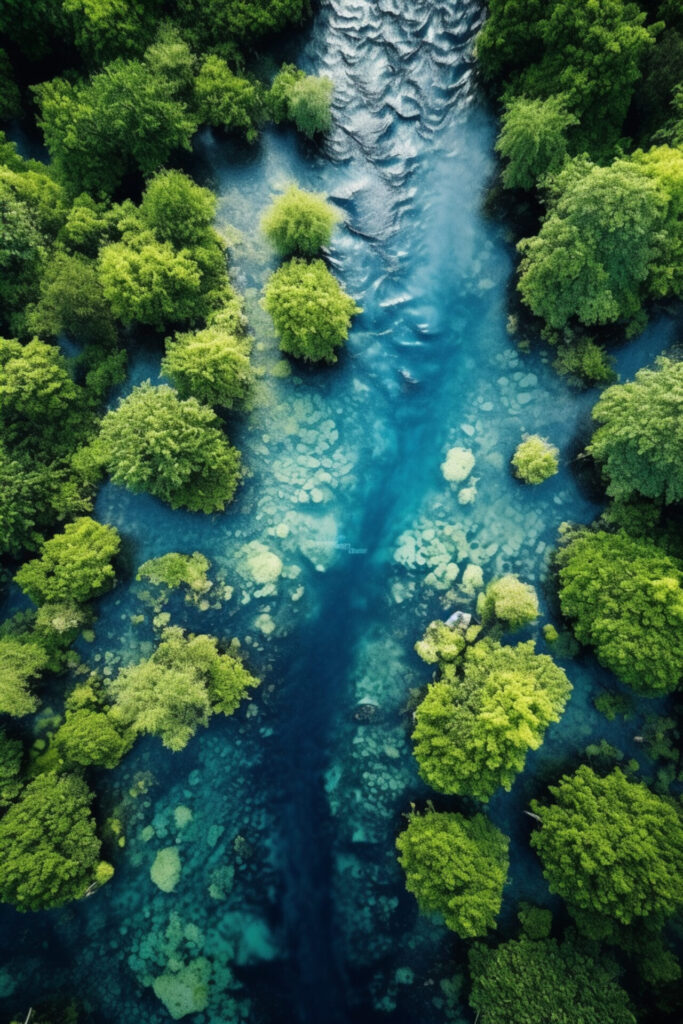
341 546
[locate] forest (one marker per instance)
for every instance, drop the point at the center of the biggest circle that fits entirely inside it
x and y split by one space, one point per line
107 237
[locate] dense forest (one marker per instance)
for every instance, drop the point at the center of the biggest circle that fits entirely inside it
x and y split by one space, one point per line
109 236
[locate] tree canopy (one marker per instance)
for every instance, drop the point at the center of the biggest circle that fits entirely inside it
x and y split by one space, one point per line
533 139
50 849
473 729
21 661
640 437
225 100
624 596
509 603
75 565
311 312
534 982
299 223
172 448
455 867
612 847
535 460
211 365
89 737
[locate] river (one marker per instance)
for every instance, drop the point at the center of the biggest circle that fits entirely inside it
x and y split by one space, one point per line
344 542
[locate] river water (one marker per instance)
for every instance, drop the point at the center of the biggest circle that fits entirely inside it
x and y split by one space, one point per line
344 542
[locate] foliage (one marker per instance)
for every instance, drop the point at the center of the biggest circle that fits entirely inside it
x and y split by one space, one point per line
535 459
50 850
640 439
174 569
211 365
533 140
177 210
311 312
303 99
508 602
11 755
71 300
299 223
90 737
584 361
74 565
533 982
104 29
240 20
456 867
175 691
611 846
10 100
227 101
171 448
625 597
36 392
473 730
20 661
126 117
594 252
440 643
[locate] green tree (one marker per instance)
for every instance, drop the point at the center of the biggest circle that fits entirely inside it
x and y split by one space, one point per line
10 100
211 365
19 496
75 565
625 598
23 251
640 437
664 165
534 982
311 312
533 140
509 603
612 847
127 117
11 756
173 449
20 661
89 737
50 849
36 392
473 730
104 29
592 257
299 223
177 210
241 21
301 98
224 100
535 459
440 644
173 569
456 867
72 301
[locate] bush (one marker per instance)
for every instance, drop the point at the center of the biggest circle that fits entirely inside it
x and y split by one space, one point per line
226 101
473 729
177 210
50 849
36 392
299 223
455 867
535 460
74 566
11 755
611 847
625 597
533 140
20 661
90 738
301 98
311 312
174 569
170 448
508 603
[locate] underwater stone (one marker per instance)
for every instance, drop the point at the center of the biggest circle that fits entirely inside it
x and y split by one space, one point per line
185 991
467 495
257 562
165 871
472 579
182 816
458 465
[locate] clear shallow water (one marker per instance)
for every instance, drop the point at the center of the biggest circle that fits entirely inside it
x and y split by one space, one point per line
290 899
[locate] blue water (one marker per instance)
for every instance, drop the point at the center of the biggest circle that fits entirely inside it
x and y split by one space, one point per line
290 897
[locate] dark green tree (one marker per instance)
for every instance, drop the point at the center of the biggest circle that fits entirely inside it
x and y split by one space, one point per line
21 660
224 100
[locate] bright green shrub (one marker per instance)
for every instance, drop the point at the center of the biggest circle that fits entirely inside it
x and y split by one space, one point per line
176 209
535 460
473 730
311 312
174 569
90 737
299 223
533 140
172 449
212 366
624 596
440 644
303 99
640 440
455 867
509 603
611 846
50 849
36 393
227 101
20 661
74 566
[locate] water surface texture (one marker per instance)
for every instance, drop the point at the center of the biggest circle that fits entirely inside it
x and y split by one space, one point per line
341 546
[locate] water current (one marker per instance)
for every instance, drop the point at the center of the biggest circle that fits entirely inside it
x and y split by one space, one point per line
344 542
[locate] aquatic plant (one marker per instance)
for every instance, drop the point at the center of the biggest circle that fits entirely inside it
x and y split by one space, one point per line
508 603
535 459
174 569
299 223
166 868
455 867
611 847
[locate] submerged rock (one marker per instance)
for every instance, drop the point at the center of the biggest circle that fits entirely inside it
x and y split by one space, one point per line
165 871
458 465
185 991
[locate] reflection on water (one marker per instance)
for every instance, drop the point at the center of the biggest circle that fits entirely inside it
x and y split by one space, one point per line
343 543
